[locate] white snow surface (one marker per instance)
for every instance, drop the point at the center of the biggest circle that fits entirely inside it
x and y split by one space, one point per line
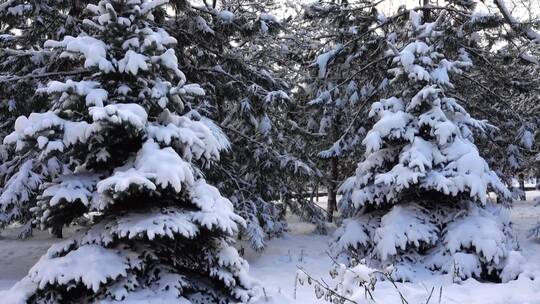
277 267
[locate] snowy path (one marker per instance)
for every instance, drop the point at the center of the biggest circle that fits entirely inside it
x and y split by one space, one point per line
301 247
17 256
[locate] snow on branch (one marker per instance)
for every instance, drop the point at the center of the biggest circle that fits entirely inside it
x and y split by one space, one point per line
515 24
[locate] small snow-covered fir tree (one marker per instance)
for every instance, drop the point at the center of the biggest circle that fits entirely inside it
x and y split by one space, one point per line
125 145
420 199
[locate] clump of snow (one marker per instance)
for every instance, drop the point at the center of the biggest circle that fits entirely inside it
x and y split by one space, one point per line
29 128
403 226
481 231
156 38
210 134
217 212
132 63
515 265
353 233
153 167
93 50
169 60
95 96
268 17
163 223
70 188
192 89
352 281
18 189
323 60
120 113
225 16
90 265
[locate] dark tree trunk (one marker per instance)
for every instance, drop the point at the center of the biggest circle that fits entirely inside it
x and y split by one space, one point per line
77 7
426 12
332 188
57 231
334 172
317 192
522 186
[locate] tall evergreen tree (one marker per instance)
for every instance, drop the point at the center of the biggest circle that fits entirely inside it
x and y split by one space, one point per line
237 61
502 84
124 142
345 68
420 199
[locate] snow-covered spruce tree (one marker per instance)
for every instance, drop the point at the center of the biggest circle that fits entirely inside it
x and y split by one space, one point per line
266 169
25 66
124 148
420 198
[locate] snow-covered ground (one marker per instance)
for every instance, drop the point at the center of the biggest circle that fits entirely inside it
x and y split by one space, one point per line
17 256
276 268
